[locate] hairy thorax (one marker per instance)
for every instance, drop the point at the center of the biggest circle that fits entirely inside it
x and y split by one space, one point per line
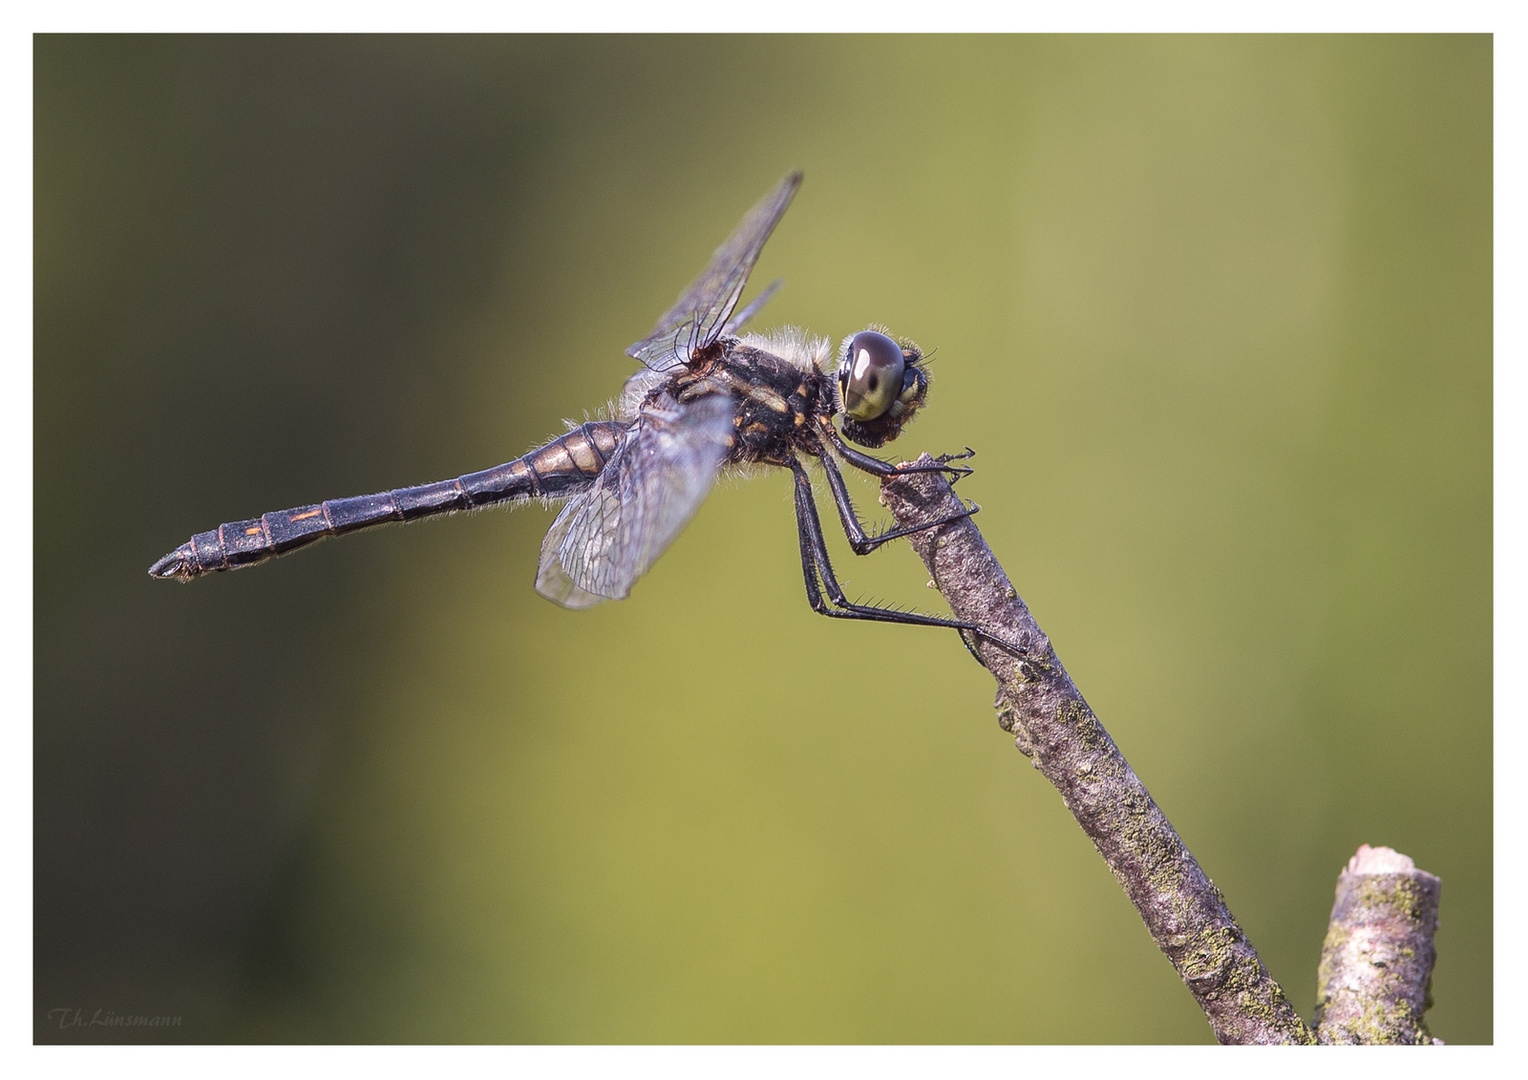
780 391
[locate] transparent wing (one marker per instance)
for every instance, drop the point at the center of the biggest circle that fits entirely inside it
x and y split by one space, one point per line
698 317
740 320
607 537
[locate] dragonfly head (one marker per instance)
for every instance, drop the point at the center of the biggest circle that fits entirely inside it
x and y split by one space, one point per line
881 383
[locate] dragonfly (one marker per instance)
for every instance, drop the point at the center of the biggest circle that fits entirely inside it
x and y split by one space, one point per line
708 397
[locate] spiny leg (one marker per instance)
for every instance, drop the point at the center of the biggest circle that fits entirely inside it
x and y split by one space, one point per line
883 469
859 540
815 563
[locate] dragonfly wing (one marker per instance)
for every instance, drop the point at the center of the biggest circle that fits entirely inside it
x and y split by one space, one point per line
552 581
740 320
699 316
607 537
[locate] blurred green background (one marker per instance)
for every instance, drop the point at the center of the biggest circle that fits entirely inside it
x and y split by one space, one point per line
1215 311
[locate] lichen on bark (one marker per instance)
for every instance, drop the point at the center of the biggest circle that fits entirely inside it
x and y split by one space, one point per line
1376 964
1040 706
1374 982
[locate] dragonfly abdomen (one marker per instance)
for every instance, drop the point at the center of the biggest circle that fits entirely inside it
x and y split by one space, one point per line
567 464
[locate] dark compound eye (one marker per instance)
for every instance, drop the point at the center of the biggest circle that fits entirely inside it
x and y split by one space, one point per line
870 375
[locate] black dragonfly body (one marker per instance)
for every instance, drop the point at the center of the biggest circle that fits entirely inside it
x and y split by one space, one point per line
705 399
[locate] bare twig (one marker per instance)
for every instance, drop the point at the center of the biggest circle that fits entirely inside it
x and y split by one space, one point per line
1038 704
1377 960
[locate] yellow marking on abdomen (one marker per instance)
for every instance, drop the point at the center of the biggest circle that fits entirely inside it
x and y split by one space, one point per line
305 517
252 530
553 458
582 454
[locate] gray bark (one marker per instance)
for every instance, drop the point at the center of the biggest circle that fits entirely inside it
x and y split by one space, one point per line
1376 963
1038 704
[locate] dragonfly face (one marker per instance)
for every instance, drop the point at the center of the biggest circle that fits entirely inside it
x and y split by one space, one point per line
705 398
880 385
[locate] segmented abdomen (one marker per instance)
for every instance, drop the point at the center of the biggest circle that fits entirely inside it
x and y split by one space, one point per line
567 464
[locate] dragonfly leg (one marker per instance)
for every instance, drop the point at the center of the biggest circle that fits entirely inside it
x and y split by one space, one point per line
883 469
958 472
862 542
815 564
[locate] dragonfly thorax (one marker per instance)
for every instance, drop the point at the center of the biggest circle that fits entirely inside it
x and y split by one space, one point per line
779 400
